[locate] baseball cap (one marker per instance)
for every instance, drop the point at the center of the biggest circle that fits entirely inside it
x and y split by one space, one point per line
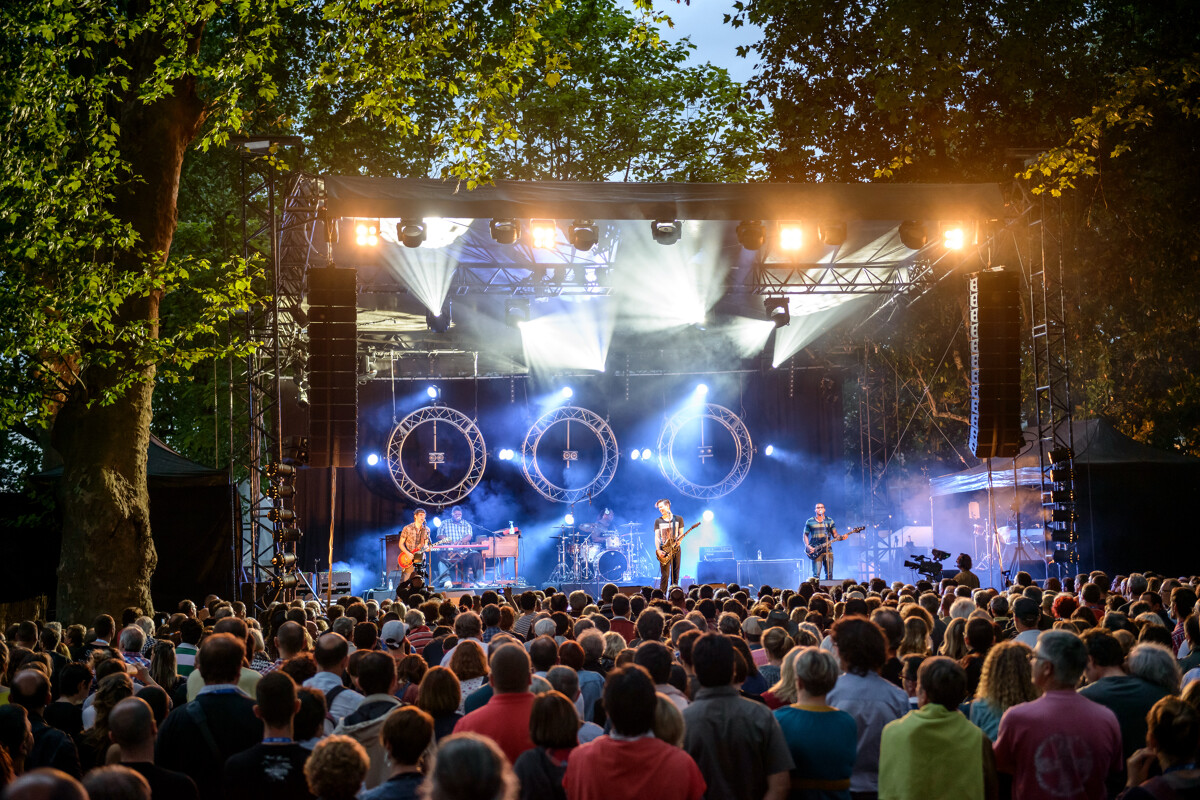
393 633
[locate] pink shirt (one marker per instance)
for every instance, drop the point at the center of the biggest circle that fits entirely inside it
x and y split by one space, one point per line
1061 746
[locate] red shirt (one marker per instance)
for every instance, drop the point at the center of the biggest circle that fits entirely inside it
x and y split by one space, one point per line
504 720
607 769
624 627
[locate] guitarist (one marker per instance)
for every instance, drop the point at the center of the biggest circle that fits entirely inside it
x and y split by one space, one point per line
414 538
667 528
820 530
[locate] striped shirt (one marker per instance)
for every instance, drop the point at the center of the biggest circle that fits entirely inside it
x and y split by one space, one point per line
185 659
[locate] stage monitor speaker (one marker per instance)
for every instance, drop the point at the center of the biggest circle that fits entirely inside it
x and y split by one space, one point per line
1035 567
722 570
783 573
332 367
995 343
341 585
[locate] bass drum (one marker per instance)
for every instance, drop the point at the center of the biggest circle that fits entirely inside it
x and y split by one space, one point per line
611 565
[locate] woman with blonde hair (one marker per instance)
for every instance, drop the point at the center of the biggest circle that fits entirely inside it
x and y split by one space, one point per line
783 692
1006 680
954 645
668 721
916 641
775 643
470 666
614 643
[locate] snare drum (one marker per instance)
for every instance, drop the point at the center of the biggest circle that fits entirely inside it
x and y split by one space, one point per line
613 541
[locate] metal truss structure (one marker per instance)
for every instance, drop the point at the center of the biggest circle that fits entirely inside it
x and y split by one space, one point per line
455 421
877 427
743 451
1044 267
597 483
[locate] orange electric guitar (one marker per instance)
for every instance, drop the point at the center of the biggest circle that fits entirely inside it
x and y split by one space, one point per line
405 560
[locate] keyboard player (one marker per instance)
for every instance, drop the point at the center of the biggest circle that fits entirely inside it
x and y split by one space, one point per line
456 530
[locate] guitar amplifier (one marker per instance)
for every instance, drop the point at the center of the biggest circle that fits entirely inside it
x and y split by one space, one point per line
341 585
715 553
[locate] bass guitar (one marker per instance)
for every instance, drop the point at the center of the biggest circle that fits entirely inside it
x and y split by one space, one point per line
671 549
819 550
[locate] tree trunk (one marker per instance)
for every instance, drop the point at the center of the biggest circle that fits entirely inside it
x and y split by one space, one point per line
108 555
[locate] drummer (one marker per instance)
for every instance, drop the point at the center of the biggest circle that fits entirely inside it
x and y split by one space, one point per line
457 530
602 528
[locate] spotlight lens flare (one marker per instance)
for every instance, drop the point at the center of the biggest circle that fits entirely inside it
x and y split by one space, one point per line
635 455
372 459
432 391
437 522
647 455
708 515
567 393
702 389
569 519
769 449
954 238
791 236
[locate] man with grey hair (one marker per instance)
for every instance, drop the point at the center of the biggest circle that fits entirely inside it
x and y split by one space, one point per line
132 639
1129 696
1062 744
543 627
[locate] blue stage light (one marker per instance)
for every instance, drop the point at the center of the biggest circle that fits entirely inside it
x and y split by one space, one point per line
708 515
567 393
647 455
569 519
635 455
769 449
372 459
433 392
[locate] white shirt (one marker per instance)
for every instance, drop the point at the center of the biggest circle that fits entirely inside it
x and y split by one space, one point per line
347 700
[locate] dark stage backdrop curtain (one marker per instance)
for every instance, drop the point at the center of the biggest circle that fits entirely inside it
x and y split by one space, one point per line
800 412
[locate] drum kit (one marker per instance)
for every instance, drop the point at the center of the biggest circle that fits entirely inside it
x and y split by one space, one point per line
587 553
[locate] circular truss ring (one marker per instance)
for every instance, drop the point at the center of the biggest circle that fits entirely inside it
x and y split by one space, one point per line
459 422
743 447
599 428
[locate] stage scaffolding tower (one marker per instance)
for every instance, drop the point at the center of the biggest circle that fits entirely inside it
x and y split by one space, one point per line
1044 267
876 429
265 478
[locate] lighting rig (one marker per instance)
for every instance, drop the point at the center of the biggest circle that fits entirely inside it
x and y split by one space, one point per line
280 488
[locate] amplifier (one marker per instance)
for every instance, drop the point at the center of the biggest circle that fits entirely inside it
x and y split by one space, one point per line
715 553
341 585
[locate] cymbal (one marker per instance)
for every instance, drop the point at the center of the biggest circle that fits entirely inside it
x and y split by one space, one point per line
633 526
588 527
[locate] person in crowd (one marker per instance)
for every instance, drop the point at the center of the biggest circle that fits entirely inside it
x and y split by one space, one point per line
981 635
1039 741
668 721
16 742
783 691
656 658
823 741
505 718
66 713
916 640
273 768
95 742
954 645
565 681
470 666
1005 681
51 747
1027 616
631 762
936 733
291 639
132 728
621 622
469 767
554 729
1128 696
1172 736
864 694
439 696
407 736
776 643
332 655
309 723
467 627
377 680
737 742
199 737
116 783
336 768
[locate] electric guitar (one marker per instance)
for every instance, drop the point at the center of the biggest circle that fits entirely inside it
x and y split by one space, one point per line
405 560
819 550
671 549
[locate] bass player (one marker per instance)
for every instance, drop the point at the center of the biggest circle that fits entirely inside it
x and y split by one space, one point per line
668 528
820 532
414 540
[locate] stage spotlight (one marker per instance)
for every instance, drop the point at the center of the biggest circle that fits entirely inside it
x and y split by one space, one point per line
567 393
569 519
791 236
440 322
437 522
505 231
832 232
281 515
751 234
635 455
584 234
707 515
702 389
543 232
279 491
777 310
366 232
912 234
666 231
288 535
433 392
516 311
411 232
769 450
954 236
647 455
283 560
506 454
372 459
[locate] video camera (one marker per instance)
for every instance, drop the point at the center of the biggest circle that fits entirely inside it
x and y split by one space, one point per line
929 567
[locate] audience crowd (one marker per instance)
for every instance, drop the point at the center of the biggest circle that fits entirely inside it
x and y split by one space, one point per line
1083 687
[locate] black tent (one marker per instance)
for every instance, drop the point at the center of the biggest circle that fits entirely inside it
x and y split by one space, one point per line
192 508
1131 500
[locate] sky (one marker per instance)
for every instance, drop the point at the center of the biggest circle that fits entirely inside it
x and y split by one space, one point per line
715 41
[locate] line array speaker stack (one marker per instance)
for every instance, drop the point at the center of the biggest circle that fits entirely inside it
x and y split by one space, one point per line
995 337
332 367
